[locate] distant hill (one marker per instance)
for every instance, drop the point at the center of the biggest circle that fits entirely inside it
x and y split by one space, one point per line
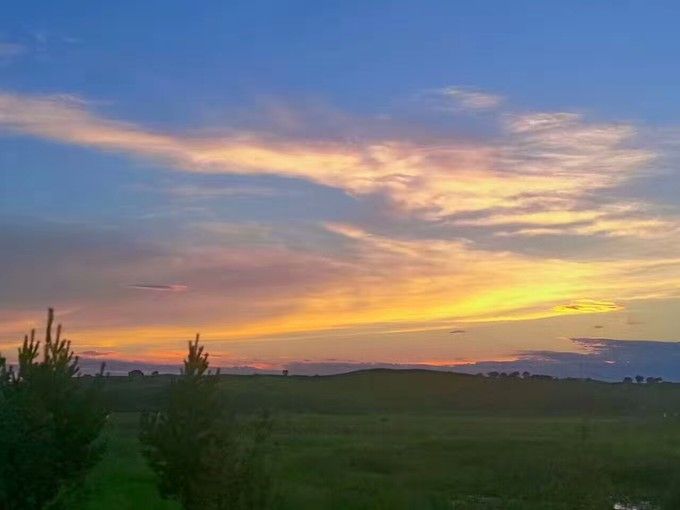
414 391
604 359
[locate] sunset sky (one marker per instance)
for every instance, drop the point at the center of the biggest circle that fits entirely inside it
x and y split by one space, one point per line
413 183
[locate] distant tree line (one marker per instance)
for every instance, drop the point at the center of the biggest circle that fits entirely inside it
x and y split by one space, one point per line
516 375
639 379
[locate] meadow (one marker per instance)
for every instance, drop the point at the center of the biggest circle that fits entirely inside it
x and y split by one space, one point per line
393 440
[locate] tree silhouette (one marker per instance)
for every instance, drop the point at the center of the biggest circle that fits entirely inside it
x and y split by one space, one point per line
49 422
200 456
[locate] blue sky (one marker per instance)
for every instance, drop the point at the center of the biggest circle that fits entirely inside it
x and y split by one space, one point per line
169 62
340 181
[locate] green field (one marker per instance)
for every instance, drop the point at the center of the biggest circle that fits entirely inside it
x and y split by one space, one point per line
337 445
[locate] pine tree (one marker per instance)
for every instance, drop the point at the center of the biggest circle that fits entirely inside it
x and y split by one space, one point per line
49 422
200 456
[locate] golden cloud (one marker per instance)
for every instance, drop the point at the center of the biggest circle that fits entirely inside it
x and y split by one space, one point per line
545 162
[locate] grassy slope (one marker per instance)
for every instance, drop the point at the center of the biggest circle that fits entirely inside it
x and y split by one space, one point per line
384 439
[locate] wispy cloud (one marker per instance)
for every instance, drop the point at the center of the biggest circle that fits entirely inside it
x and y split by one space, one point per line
95 354
588 306
545 162
161 288
208 192
573 218
462 98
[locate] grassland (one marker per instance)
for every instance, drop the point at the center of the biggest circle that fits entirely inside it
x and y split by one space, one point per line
397 440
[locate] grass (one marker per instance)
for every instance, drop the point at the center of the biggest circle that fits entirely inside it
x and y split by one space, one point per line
394 461
122 480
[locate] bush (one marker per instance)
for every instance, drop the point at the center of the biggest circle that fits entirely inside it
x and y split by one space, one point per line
49 423
203 458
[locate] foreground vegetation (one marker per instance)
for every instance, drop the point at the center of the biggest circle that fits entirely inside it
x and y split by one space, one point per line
373 439
363 461
50 422
415 439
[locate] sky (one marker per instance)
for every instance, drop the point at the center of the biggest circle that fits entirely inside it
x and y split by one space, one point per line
443 184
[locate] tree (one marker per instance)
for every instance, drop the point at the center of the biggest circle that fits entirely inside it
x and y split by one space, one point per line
49 422
639 379
541 377
200 456
627 380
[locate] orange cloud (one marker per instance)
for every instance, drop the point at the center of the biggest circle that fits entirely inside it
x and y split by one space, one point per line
402 285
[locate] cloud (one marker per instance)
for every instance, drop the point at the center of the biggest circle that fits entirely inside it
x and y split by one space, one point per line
611 359
572 218
237 288
588 306
545 162
60 263
208 192
441 279
632 321
457 331
161 288
352 279
600 358
94 354
468 99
